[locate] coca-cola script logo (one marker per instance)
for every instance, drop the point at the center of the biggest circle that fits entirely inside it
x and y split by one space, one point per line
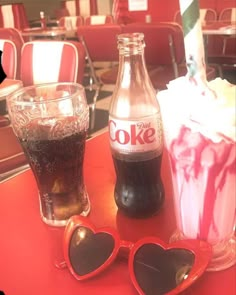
134 134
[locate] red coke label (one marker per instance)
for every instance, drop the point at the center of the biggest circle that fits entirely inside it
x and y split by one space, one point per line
136 136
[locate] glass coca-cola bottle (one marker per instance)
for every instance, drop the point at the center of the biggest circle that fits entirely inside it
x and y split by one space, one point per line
135 130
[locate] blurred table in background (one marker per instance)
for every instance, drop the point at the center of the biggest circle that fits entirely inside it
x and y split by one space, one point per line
219 28
49 23
50 33
220 44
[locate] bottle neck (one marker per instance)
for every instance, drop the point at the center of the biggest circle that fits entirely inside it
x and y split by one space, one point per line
134 95
132 67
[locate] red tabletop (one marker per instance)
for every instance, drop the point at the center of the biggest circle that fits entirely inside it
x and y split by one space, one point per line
29 248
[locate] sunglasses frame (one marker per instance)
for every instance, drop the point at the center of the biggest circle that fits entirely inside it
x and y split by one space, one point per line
201 250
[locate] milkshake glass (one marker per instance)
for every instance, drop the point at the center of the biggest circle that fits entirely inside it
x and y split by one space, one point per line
200 137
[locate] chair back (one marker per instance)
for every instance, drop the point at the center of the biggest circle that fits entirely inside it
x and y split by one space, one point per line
61 12
71 22
99 19
101 41
164 52
164 42
52 61
12 34
13 16
80 7
178 17
206 14
15 36
11 153
9 58
228 14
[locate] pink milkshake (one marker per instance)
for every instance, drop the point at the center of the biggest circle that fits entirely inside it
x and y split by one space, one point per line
200 136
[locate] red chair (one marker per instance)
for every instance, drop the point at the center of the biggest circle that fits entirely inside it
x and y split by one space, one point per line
103 48
222 49
42 62
9 57
15 36
4 121
177 17
12 158
61 12
99 49
157 40
164 53
99 20
12 34
71 22
13 16
162 59
100 43
52 61
228 14
80 7
206 14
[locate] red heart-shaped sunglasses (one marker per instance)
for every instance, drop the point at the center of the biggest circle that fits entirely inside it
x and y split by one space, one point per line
155 267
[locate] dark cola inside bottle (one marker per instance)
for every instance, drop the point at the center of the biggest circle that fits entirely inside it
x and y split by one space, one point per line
139 190
135 130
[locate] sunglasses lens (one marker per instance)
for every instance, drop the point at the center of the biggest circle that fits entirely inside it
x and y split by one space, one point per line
89 250
159 271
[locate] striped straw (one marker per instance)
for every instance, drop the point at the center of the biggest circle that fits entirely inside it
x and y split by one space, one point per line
193 41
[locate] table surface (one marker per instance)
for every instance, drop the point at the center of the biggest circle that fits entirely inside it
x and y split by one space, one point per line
219 28
49 32
29 248
49 23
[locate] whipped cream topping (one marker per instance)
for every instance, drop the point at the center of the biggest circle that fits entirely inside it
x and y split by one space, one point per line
211 113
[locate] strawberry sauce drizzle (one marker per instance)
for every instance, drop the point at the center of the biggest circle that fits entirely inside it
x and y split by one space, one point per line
205 164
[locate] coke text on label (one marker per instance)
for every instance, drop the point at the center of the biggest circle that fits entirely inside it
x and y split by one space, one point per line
137 136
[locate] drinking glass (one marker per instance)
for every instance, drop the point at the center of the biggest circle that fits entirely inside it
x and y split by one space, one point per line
51 122
199 137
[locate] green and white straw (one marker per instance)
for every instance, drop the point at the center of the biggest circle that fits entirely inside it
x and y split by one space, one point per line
193 41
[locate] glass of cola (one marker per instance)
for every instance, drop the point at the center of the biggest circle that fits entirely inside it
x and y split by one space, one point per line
51 122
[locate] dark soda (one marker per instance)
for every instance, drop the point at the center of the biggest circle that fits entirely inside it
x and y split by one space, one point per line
139 190
58 168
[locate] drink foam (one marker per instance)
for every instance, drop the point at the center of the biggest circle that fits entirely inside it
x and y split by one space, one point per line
211 113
